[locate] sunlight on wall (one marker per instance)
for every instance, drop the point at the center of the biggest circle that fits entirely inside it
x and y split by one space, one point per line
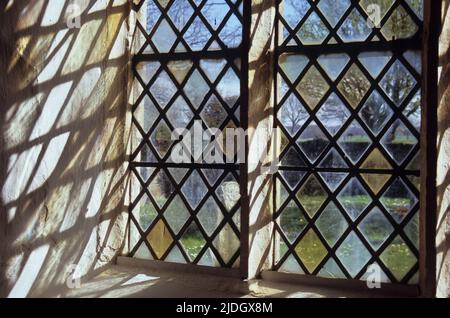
63 141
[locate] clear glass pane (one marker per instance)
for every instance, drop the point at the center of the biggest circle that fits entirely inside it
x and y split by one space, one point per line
333 114
398 200
354 198
192 241
354 86
376 228
399 141
313 142
292 115
176 214
210 216
332 224
312 195
313 87
353 254
292 221
161 188
313 30
334 10
354 142
194 189
398 258
376 113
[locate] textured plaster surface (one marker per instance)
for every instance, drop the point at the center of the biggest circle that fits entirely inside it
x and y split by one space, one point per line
62 141
443 164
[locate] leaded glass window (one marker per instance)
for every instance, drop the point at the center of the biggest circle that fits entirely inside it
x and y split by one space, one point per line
348 103
187 68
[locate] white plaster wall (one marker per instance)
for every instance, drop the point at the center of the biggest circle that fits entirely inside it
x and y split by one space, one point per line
443 164
63 117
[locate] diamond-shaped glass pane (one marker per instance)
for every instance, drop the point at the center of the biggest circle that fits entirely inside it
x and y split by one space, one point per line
354 198
161 138
292 221
161 188
143 252
292 65
398 200
376 228
144 213
354 142
374 62
229 192
417 6
292 115
413 111
292 159
333 160
194 189
354 86
333 64
213 114
376 113
178 174
227 243
293 11
291 265
313 87
355 28
210 216
292 178
333 114
231 34
180 69
313 30
331 270
175 256
399 141
311 251
412 230
229 87
212 68
398 258
176 214
160 239
353 254
313 142
192 241
281 196
215 11
146 114
209 259
331 224
312 195
333 10
179 114
212 175
180 12
400 25
164 37
398 83
197 36
163 89
196 89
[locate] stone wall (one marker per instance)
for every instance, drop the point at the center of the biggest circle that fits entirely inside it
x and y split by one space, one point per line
443 164
63 89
